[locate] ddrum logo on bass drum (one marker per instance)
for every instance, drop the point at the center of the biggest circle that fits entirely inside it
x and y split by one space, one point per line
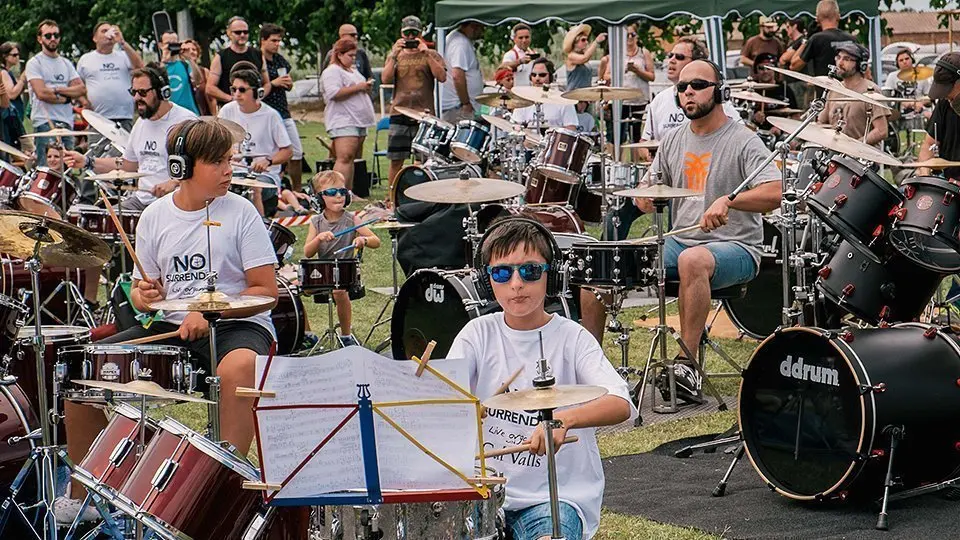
806 372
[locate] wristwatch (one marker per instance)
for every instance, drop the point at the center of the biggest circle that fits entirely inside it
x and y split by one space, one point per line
270 161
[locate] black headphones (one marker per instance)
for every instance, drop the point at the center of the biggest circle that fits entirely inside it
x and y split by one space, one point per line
159 81
179 163
246 66
485 290
721 92
318 200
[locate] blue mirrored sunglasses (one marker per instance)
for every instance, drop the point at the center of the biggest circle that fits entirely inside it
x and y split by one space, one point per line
502 273
333 192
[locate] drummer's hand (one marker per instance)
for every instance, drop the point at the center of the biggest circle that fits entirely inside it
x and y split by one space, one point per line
150 290
260 165
163 188
715 216
194 327
326 236
73 159
538 444
360 242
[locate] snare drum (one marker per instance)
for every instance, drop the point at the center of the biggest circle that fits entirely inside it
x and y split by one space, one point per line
114 452
10 176
612 264
40 192
564 155
97 220
167 365
283 240
620 175
433 137
324 275
470 141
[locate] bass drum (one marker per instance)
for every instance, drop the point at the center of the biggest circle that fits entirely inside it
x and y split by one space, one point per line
816 408
289 317
17 419
436 304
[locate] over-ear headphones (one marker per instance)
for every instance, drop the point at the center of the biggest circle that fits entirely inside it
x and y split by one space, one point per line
721 92
318 200
248 70
179 163
159 81
485 290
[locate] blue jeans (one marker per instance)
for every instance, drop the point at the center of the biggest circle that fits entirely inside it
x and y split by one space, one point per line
733 264
534 522
43 142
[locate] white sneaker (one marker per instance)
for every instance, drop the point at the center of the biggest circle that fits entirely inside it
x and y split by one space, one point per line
66 509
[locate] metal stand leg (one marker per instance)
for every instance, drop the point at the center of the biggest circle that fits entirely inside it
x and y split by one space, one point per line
213 409
896 433
721 488
393 297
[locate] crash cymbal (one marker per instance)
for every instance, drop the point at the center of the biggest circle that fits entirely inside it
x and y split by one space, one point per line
420 116
605 93
392 225
657 191
58 132
106 127
235 129
551 397
649 145
750 84
886 99
749 95
542 94
532 136
213 302
458 191
246 181
914 74
828 137
503 100
828 84
63 244
115 175
4 147
932 163
142 388
784 111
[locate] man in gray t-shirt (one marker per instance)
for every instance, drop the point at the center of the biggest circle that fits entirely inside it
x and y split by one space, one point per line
711 154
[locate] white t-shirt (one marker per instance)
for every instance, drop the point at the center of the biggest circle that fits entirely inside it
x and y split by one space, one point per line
148 148
923 87
586 123
355 111
265 133
663 114
521 74
495 351
172 244
553 115
55 73
461 54
107 77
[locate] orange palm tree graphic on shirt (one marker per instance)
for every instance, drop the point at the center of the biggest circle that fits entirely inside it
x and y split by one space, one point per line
695 167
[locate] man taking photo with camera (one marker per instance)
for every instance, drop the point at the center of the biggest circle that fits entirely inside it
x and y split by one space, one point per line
184 75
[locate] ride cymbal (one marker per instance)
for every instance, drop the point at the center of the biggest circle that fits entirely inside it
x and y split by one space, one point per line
657 191
750 84
115 175
212 302
57 132
532 136
460 191
419 116
932 163
605 93
251 182
649 145
542 94
106 127
551 397
914 74
749 95
62 244
503 100
4 147
142 388
784 111
828 84
828 137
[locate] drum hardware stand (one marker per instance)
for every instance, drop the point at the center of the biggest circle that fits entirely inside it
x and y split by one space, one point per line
73 297
544 380
707 341
604 205
394 241
213 409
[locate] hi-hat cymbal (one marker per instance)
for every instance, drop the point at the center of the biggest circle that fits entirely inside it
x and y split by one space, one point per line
828 137
392 225
532 136
749 95
57 132
551 397
116 175
213 302
459 191
142 388
750 84
106 127
657 191
542 94
828 84
932 163
605 93
914 74
4 147
63 244
235 129
504 100
648 145
246 181
784 111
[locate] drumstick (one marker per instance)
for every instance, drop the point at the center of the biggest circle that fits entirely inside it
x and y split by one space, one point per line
343 249
123 235
355 227
646 239
504 386
151 339
521 448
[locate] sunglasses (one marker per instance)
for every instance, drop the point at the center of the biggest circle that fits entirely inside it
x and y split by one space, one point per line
52 35
631 34
241 89
142 92
529 272
583 38
408 33
697 84
333 192
241 32
679 56
535 74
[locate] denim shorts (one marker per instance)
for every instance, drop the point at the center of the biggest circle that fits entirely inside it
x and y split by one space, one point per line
535 521
347 132
733 264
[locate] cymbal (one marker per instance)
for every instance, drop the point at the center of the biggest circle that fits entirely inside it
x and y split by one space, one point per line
657 191
58 132
828 137
142 388
932 163
750 84
914 74
784 111
116 175
542 94
213 302
649 145
551 397
4 147
63 245
828 84
457 191
246 181
235 129
886 99
106 127
419 116
749 95
392 225
503 100
604 93
533 137
248 155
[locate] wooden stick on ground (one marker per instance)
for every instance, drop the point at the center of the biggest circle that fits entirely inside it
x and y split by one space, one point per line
521 448
151 339
123 235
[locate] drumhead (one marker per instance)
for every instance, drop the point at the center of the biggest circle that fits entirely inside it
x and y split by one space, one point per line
56 333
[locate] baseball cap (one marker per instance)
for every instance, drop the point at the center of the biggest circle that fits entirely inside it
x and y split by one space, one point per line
767 21
945 75
411 22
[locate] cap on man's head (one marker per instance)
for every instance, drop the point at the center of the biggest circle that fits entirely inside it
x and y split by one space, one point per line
945 75
855 50
767 21
765 58
411 22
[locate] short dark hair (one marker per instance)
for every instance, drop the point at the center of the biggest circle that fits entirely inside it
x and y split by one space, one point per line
905 51
269 30
97 27
512 233
518 27
699 48
46 22
207 140
798 23
6 48
246 75
545 61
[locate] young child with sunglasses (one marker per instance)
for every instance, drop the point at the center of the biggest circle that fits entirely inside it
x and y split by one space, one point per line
518 257
323 242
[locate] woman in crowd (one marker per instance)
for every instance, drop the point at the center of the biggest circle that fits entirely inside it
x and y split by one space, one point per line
349 110
579 51
11 115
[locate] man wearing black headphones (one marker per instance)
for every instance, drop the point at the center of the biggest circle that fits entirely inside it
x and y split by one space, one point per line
853 61
711 154
147 150
943 128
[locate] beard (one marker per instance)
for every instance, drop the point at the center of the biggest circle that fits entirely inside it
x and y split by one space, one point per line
847 74
701 110
768 35
50 48
148 110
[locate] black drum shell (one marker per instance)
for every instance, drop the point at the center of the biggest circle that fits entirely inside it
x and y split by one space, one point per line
912 229
612 264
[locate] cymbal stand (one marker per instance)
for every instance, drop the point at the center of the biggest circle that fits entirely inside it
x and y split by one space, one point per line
542 381
394 240
213 409
604 205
